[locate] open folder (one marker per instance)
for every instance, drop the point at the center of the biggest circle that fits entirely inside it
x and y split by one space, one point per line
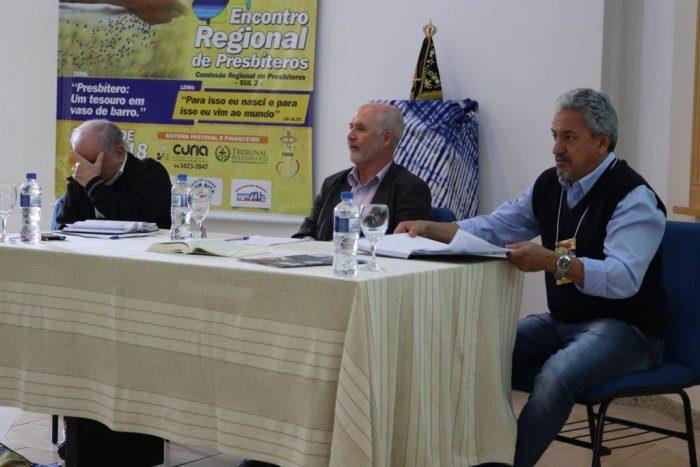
403 246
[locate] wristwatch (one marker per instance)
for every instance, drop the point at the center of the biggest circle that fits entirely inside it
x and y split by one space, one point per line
563 265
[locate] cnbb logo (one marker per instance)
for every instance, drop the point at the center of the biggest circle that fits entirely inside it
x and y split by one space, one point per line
191 150
222 153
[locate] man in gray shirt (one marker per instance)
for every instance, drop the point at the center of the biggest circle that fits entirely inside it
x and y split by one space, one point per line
374 134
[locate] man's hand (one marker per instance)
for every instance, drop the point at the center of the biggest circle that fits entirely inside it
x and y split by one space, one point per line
84 170
150 11
531 257
154 11
414 228
440 231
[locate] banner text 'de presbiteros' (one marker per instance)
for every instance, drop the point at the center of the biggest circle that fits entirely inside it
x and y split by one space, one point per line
284 30
242 107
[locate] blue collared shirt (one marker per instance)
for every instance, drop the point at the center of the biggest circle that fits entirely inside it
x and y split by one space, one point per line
633 234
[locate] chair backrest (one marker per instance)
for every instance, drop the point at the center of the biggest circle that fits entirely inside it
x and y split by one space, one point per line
681 273
56 208
443 215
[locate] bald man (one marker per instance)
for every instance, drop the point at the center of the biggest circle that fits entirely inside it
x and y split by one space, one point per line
374 134
108 182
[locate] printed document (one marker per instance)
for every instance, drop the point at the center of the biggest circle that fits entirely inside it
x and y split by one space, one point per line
464 243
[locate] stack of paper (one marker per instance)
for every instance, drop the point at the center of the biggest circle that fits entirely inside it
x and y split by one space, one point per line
403 246
110 229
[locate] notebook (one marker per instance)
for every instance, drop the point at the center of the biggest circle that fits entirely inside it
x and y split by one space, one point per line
100 228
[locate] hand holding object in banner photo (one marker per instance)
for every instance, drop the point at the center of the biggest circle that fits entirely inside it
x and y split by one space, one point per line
149 11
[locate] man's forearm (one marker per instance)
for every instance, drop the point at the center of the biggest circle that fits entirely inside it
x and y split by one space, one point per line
576 272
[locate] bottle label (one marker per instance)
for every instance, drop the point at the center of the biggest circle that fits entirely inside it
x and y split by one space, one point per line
347 225
341 224
178 201
30 201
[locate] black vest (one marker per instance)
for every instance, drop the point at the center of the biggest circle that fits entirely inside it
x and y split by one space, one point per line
647 308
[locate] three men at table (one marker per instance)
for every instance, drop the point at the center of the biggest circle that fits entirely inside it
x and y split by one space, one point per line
374 134
108 182
601 227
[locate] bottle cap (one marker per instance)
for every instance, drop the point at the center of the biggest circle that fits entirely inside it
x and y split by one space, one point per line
31 176
181 177
346 195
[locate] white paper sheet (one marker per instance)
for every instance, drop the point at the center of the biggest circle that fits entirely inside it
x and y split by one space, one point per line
403 246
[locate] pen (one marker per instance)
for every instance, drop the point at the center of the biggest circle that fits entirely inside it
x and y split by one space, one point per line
244 237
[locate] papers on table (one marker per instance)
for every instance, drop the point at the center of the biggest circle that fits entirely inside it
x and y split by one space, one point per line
403 246
100 228
207 247
293 261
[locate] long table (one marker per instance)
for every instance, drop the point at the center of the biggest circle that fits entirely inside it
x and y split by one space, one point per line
410 367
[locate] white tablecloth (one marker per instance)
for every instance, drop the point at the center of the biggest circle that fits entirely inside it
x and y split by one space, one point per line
296 367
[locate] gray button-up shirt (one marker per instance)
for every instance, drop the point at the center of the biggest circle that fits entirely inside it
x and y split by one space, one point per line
363 194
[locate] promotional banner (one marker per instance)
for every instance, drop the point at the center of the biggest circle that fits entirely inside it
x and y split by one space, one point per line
220 90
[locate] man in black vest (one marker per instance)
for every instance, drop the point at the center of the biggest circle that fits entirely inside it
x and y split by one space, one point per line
601 227
374 134
108 182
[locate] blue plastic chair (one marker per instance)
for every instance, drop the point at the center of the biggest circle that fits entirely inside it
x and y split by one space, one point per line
443 215
681 366
56 208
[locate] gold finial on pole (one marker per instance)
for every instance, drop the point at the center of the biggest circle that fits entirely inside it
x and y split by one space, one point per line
429 29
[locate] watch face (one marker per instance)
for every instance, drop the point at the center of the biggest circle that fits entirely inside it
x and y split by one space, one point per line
563 262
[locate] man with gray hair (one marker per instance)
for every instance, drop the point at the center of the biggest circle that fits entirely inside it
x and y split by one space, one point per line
108 182
601 227
374 134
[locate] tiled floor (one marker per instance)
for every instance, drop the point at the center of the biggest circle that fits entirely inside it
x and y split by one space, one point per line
669 452
30 434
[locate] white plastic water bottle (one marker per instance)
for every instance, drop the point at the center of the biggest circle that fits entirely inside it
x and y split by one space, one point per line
179 210
30 204
346 231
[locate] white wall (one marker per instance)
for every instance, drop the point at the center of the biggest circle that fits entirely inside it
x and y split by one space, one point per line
681 97
637 73
28 41
648 69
